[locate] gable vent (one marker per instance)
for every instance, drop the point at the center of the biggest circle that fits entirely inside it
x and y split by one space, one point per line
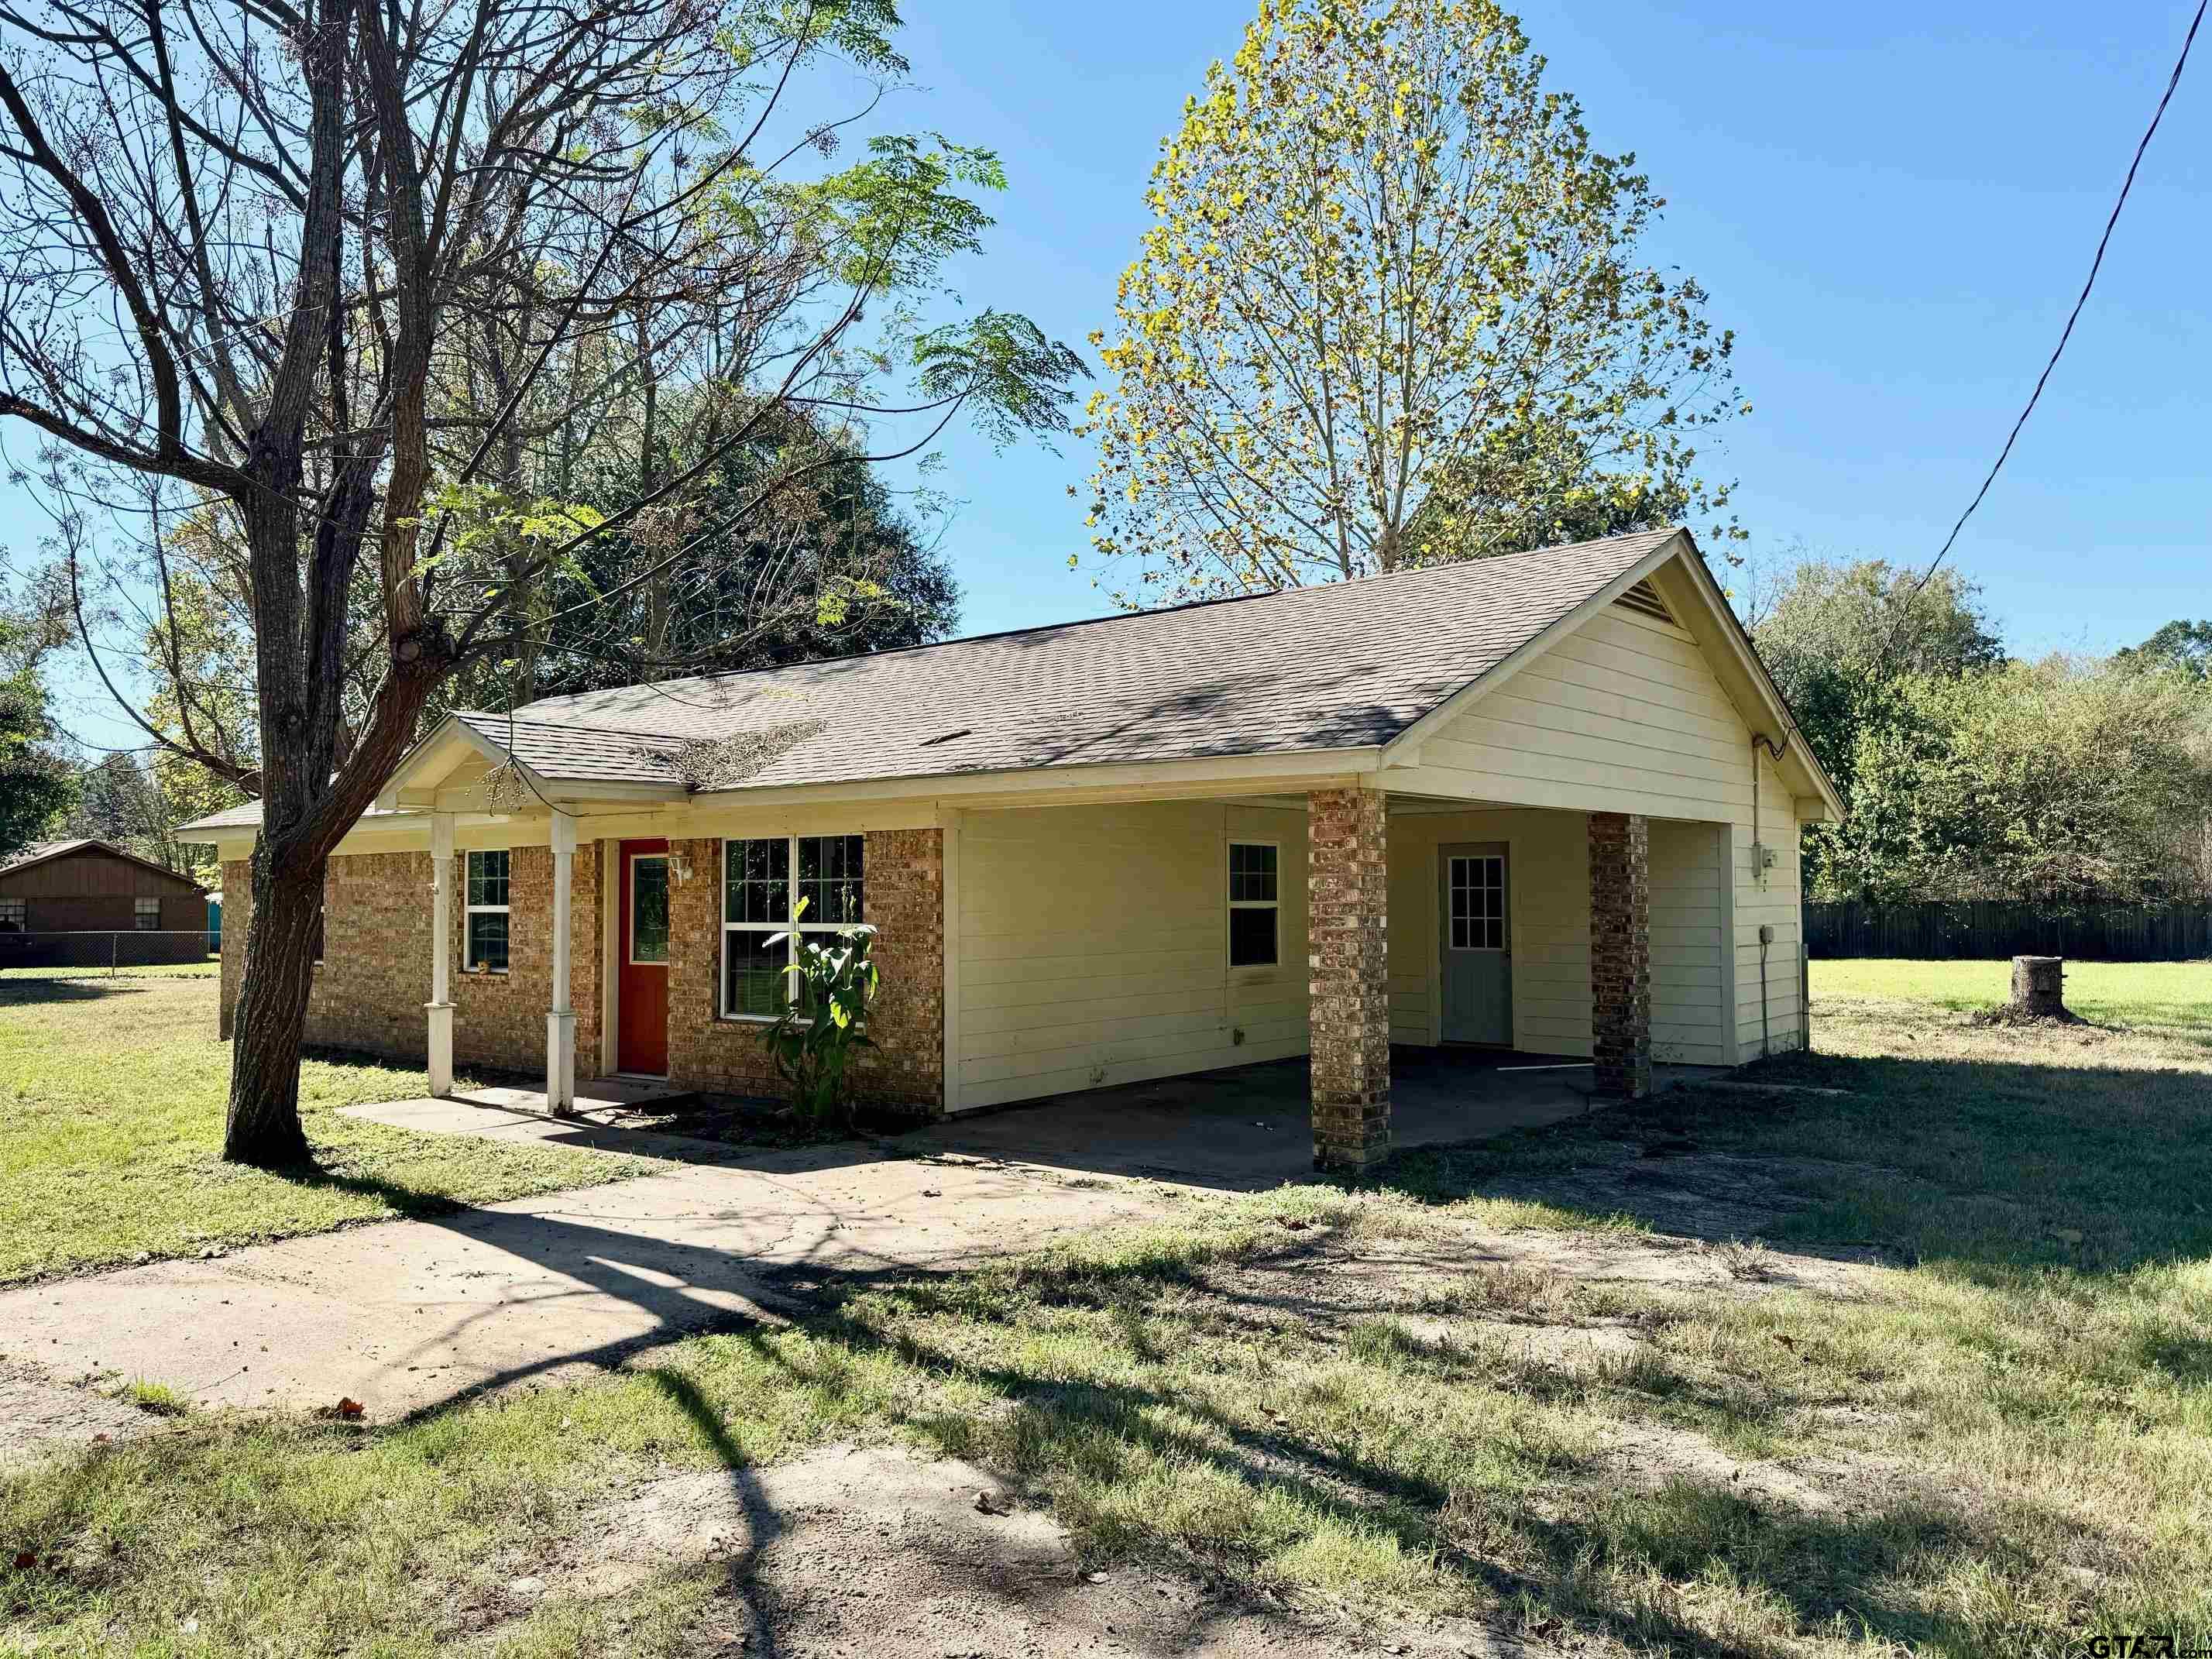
1645 599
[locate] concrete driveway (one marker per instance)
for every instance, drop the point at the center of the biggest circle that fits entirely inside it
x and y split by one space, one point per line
403 1314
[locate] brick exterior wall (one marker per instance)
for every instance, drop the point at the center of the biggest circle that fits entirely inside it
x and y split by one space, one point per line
375 976
704 1050
904 897
1347 922
1620 953
369 994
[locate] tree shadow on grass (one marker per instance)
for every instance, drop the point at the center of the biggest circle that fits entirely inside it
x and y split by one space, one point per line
1591 1556
35 993
1990 1167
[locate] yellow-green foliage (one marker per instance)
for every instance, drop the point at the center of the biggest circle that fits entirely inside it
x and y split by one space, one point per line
1389 311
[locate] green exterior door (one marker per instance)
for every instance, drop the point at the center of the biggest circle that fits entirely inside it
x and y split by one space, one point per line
1478 946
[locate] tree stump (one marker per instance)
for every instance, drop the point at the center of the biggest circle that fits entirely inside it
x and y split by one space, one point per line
2038 987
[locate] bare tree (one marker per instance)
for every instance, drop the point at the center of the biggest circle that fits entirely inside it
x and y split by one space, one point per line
337 278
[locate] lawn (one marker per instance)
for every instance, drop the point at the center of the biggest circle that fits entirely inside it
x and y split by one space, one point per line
111 1097
1948 1389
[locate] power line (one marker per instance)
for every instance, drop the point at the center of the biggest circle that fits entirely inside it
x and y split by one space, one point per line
2074 316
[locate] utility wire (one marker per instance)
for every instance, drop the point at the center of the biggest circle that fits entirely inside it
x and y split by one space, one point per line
2073 316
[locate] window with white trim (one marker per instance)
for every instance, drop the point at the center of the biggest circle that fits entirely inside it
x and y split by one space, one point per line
484 936
1255 904
763 881
147 913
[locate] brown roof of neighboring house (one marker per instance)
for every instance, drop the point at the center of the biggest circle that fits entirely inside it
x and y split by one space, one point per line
41 851
1347 666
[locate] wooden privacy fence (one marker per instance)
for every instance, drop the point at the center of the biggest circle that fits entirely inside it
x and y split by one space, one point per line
2006 927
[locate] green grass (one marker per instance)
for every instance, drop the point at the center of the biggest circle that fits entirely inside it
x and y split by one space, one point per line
211 969
112 1100
1333 1395
2175 996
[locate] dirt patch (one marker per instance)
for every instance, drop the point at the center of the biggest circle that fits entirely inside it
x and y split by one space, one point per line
856 1549
1645 1457
1694 1194
41 1412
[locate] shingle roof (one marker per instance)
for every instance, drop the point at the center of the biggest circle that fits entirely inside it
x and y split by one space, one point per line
1347 666
39 851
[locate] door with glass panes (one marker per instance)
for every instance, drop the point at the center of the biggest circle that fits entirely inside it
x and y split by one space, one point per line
1477 945
642 961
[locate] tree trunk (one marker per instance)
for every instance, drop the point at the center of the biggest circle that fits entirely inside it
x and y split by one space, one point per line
262 1127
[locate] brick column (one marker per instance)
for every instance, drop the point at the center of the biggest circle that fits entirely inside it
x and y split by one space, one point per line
1348 921
1620 953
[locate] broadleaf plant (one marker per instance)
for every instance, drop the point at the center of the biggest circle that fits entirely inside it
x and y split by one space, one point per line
824 1024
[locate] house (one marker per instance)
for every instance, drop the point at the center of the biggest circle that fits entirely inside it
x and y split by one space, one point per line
1548 802
68 903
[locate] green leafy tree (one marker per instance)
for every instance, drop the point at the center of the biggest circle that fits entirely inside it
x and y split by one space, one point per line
359 279
38 784
2181 647
2065 779
1390 312
1839 637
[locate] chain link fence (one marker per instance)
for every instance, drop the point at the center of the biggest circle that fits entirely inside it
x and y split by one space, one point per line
77 956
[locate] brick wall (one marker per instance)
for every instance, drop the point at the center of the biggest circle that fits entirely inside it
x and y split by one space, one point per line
375 976
905 900
705 1051
1347 926
1620 953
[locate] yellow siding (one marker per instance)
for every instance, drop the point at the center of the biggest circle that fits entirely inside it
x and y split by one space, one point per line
1773 900
1093 948
1547 900
1690 1024
1626 715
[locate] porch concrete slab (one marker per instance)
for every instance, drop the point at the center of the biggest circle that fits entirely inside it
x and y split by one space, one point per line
1246 1128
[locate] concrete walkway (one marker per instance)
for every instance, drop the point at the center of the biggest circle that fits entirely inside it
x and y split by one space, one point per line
402 1314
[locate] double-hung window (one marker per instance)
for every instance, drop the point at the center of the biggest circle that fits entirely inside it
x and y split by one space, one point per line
14 915
146 914
485 941
763 881
1255 904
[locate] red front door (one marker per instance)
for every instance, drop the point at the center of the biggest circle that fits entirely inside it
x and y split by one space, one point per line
642 966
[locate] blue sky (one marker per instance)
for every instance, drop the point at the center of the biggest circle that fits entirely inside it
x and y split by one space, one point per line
1893 205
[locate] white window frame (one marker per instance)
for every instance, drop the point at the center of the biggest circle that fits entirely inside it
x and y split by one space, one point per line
469 910
139 912
790 907
1229 922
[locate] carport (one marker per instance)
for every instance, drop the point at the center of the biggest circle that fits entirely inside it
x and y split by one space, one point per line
1247 1127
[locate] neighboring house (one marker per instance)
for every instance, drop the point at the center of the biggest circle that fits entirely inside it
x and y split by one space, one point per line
63 901
1534 801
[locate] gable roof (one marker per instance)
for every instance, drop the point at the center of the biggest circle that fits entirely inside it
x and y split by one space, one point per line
44 852
1348 665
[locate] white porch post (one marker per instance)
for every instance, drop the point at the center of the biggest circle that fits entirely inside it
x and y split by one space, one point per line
561 1018
440 1009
